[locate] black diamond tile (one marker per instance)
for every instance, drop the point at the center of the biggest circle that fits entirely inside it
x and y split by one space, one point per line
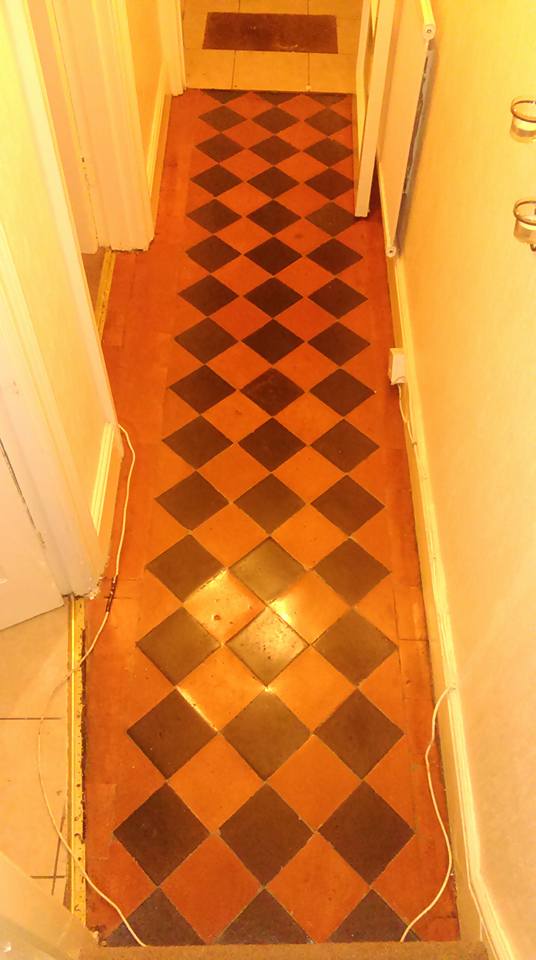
171 733
354 646
344 446
161 833
331 218
359 733
328 98
268 570
351 571
267 645
274 150
275 97
225 96
273 297
372 921
270 503
342 392
265 832
157 923
216 180
206 340
339 343
220 147
212 253
192 501
367 832
273 341
272 391
334 256
265 733
273 182
208 295
347 505
273 256
184 567
328 121
273 217
197 442
214 216
275 120
330 183
263 921
328 151
178 645
222 118
202 389
337 298
271 444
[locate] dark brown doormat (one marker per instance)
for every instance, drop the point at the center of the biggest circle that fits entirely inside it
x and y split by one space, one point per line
285 32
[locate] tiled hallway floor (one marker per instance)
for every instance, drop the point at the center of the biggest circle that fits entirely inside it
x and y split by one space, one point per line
258 709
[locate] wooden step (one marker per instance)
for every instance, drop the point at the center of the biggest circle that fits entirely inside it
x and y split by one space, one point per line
314 951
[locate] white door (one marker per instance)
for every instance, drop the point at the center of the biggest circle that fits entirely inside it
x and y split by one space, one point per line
26 584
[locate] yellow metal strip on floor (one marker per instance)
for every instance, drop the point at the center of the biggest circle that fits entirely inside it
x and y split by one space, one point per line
75 838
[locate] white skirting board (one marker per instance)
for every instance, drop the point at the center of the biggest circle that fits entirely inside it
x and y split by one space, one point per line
479 918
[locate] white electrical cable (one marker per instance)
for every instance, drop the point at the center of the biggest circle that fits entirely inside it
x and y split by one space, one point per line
68 677
405 417
437 812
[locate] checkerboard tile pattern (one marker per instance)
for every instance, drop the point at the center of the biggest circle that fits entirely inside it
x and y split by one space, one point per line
257 716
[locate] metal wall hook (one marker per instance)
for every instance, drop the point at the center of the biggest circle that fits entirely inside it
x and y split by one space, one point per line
523 110
525 225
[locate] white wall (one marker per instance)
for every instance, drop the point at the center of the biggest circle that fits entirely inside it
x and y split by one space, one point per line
468 300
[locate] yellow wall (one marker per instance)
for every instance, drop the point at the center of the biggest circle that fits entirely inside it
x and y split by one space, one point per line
143 22
471 315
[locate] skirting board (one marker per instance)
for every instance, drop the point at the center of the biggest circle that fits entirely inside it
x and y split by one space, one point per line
477 913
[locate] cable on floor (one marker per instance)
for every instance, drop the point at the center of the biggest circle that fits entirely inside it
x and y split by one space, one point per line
67 678
437 812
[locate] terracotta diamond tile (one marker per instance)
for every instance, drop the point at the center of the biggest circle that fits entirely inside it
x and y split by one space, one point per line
312 688
272 444
304 276
247 164
241 274
215 783
206 339
302 235
230 534
197 442
272 391
378 606
318 888
269 503
125 881
244 198
273 217
236 417
272 341
310 606
347 505
308 418
351 571
314 782
239 364
242 235
223 606
233 472
307 473
383 687
220 687
308 536
265 833
305 319
191 501
306 366
220 147
211 887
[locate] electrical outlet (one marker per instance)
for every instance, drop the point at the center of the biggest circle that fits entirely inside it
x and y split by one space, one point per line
397 365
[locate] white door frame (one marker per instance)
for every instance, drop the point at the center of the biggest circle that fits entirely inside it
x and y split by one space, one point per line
75 532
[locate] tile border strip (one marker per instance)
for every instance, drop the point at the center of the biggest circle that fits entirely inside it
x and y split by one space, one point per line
76 818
